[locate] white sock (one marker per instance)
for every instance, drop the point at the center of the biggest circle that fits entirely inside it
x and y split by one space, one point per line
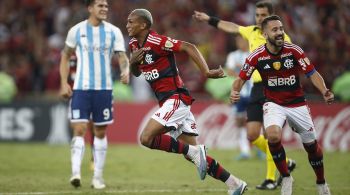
77 154
233 182
99 151
243 141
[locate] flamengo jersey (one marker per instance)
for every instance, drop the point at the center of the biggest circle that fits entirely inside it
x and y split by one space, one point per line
280 73
94 47
159 66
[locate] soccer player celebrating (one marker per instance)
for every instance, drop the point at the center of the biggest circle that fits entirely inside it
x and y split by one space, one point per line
279 63
94 41
255 38
153 56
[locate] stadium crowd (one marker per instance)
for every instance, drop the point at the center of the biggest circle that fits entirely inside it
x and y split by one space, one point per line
32 35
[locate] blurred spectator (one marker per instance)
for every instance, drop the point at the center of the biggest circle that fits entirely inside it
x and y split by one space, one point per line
31 34
8 88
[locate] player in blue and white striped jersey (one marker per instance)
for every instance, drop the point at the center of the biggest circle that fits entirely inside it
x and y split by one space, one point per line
94 42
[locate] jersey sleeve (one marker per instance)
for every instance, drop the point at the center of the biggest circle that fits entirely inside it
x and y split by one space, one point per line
307 67
71 40
118 44
168 44
247 70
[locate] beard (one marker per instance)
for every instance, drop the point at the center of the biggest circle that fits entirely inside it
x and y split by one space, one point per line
275 42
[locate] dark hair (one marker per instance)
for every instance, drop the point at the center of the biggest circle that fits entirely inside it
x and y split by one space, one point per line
263 4
267 19
89 2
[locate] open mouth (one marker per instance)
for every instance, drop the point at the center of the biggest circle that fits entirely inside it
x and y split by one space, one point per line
279 38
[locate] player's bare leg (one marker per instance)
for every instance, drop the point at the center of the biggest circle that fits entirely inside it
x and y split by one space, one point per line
153 137
214 169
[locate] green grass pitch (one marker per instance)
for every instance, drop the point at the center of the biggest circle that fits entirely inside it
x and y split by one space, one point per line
35 169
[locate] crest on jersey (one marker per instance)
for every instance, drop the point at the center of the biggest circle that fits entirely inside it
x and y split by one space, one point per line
169 44
149 59
288 63
276 65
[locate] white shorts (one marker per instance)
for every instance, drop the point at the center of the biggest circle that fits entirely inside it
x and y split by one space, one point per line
177 116
298 118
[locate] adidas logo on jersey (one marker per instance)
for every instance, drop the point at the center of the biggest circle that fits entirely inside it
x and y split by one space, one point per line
266 67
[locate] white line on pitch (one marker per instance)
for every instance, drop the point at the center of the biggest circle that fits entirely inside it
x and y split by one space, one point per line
119 191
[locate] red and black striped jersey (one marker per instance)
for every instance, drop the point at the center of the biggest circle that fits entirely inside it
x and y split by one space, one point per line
280 73
159 66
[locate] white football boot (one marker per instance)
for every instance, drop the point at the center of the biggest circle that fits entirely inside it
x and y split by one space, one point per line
98 183
323 189
240 190
287 185
199 158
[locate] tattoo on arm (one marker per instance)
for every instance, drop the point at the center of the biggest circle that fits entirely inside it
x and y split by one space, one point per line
68 50
123 60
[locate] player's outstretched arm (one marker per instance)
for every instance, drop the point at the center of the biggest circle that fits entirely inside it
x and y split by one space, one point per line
318 82
198 58
66 90
223 25
135 59
236 88
124 67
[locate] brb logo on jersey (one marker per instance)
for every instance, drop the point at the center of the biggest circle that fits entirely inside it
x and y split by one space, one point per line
151 75
279 81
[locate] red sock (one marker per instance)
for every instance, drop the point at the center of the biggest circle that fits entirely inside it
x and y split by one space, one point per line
315 156
169 144
279 157
216 170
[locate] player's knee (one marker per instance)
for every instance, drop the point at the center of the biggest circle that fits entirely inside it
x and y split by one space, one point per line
100 134
79 131
253 135
146 140
253 130
274 133
273 138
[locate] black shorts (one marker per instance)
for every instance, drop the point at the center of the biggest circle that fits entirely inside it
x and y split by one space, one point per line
257 99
